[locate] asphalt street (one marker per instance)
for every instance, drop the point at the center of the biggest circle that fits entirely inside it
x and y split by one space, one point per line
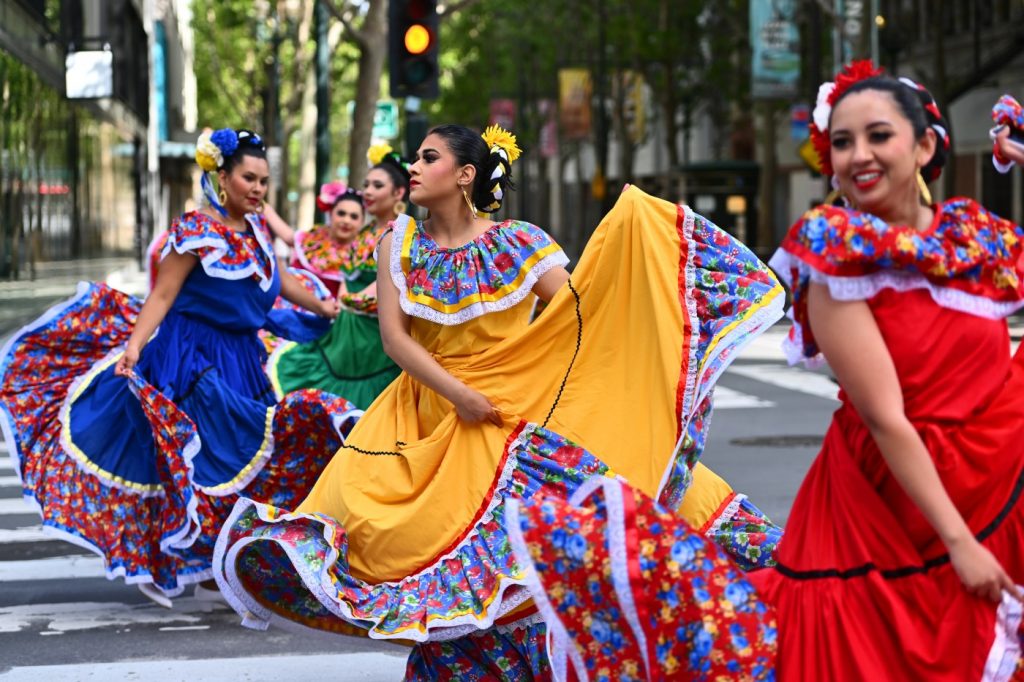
60 619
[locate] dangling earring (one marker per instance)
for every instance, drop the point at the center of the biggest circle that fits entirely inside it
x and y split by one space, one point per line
926 195
399 208
222 197
472 208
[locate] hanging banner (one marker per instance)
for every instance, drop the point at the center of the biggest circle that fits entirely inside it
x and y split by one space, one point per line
503 113
547 111
775 46
628 87
574 95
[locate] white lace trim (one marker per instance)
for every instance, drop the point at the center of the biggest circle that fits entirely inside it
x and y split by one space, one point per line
864 287
1006 646
257 616
218 249
559 644
728 346
617 553
475 310
183 580
726 515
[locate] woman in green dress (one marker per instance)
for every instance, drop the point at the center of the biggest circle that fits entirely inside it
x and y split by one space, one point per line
349 360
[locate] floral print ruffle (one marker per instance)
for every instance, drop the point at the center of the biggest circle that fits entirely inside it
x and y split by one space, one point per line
629 591
459 593
223 252
316 251
493 272
968 260
161 532
498 655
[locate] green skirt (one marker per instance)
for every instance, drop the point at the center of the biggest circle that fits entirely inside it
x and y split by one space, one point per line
349 361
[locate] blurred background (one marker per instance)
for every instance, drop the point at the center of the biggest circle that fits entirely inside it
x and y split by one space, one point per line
704 102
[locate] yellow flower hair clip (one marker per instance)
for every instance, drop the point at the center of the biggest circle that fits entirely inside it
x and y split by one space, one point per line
377 152
496 136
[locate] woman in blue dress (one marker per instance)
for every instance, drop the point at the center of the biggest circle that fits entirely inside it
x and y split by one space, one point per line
135 428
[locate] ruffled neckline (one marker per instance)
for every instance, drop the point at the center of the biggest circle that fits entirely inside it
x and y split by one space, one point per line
493 272
967 259
434 246
223 252
317 252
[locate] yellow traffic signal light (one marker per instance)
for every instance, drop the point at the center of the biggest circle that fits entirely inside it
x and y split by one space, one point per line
417 39
413 48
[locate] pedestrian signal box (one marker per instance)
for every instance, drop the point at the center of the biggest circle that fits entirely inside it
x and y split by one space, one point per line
413 48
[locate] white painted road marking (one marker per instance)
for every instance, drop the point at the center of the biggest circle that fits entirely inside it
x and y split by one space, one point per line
54 568
15 505
728 399
9 482
355 667
26 534
73 616
6 463
789 378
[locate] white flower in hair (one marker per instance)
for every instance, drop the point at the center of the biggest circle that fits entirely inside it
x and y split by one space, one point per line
822 108
208 154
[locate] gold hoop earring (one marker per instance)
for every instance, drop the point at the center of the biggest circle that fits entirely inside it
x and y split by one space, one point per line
833 196
472 208
926 194
399 208
222 197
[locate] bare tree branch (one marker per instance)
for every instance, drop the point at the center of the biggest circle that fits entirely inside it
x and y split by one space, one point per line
358 37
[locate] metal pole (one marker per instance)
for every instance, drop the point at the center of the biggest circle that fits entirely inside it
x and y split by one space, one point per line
323 98
874 30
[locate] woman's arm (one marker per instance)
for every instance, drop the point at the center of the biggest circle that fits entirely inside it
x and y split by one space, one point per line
550 282
292 290
472 406
169 280
849 337
278 226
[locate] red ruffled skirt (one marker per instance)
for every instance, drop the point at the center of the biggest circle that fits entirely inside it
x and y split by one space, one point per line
864 589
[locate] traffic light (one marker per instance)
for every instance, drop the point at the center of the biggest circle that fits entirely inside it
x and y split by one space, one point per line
412 48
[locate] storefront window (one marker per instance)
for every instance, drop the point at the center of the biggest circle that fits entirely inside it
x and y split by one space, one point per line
67 181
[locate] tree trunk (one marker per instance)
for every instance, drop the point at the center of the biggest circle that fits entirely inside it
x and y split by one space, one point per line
372 52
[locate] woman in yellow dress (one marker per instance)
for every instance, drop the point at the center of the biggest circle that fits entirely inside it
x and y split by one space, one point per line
402 536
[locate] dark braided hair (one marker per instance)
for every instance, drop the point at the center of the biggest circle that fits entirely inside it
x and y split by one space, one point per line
469 148
918 107
397 169
249 144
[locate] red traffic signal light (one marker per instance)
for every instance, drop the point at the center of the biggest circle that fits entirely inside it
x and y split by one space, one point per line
413 48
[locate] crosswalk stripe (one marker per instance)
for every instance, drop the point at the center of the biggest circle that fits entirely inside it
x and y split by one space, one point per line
9 482
357 667
15 506
53 568
728 399
6 463
87 615
789 378
27 534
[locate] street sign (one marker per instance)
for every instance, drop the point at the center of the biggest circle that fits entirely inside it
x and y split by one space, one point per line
385 120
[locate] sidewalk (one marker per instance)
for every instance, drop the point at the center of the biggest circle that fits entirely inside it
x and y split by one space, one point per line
22 301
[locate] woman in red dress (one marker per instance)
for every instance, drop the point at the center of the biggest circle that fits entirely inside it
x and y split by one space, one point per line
904 546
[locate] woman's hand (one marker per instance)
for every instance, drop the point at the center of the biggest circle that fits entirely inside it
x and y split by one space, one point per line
473 407
1009 150
980 571
329 308
126 365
